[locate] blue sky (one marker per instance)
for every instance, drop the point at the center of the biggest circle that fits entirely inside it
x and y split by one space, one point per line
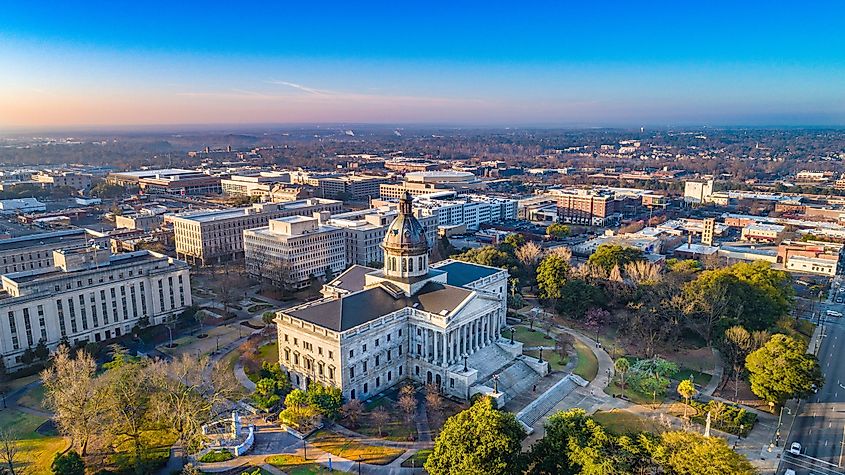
481 63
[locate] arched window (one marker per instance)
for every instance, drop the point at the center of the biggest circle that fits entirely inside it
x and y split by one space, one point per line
404 265
392 263
422 262
410 264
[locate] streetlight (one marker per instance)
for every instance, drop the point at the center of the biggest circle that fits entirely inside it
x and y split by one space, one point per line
359 465
218 345
304 449
465 362
513 330
540 357
496 383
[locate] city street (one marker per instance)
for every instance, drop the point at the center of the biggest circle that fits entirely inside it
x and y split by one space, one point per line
820 425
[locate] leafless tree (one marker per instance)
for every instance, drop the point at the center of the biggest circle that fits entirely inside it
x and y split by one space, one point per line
408 401
9 455
380 417
563 252
352 410
189 393
75 395
529 254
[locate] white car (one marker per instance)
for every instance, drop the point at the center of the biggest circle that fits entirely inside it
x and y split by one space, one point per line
795 448
789 471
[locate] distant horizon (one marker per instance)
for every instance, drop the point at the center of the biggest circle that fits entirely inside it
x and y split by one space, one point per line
75 66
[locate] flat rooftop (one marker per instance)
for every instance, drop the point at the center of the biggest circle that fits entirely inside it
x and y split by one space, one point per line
23 242
152 173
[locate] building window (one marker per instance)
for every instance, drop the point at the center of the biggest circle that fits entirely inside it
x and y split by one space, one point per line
388 337
351 372
417 370
364 365
377 360
364 348
365 388
377 342
378 381
400 371
389 376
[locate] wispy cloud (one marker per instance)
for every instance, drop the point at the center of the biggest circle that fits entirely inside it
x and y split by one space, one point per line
309 90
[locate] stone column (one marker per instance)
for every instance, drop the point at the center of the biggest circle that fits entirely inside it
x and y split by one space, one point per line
444 357
424 343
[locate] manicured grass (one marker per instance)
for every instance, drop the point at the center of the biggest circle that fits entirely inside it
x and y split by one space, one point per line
296 465
397 427
258 307
528 337
156 449
35 450
588 364
418 459
554 359
699 378
268 353
636 397
33 398
623 422
351 449
216 456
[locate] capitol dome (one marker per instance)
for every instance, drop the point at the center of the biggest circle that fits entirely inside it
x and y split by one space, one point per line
405 244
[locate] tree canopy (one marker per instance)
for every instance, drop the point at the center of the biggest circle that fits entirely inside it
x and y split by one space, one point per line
782 370
551 275
479 440
558 230
608 256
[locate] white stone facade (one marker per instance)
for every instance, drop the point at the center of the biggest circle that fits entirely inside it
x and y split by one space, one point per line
90 295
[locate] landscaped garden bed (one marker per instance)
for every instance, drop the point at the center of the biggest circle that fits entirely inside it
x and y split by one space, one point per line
353 449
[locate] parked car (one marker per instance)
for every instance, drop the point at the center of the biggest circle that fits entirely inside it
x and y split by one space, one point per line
795 448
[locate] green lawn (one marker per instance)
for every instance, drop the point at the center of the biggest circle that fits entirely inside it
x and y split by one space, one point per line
588 364
623 422
397 427
699 378
33 398
296 465
36 450
528 337
156 444
260 307
418 459
633 396
352 449
268 353
554 359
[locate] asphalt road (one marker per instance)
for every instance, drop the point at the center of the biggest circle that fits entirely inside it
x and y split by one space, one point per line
820 424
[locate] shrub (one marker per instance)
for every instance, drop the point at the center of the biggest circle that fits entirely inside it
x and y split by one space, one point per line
216 456
725 417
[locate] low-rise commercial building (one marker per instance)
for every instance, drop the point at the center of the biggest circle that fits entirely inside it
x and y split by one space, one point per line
294 250
78 181
760 232
21 205
589 207
260 185
814 257
203 237
89 295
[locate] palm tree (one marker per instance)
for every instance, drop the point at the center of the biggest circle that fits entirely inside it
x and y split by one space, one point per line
687 390
622 365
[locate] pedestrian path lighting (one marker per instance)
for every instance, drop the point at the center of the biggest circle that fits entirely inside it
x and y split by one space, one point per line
465 361
513 330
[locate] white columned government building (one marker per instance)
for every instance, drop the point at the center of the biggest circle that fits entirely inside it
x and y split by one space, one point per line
436 324
88 295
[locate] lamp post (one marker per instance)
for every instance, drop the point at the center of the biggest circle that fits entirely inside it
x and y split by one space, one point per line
465 362
540 357
359 465
496 383
218 345
513 330
304 450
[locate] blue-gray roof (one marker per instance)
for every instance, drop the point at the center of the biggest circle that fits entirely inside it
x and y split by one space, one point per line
462 273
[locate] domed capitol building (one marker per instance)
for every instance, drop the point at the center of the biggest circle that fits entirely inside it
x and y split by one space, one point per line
435 324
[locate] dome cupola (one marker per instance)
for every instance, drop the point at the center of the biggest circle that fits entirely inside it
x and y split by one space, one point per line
405 245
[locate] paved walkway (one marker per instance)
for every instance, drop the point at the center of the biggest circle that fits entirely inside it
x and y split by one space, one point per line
718 374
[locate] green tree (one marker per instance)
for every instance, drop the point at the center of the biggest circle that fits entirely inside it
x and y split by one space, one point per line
551 275
558 231
479 440
267 393
327 399
622 365
782 370
488 256
749 294
69 463
296 398
608 256
577 296
683 266
686 389
514 240
690 453
575 444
